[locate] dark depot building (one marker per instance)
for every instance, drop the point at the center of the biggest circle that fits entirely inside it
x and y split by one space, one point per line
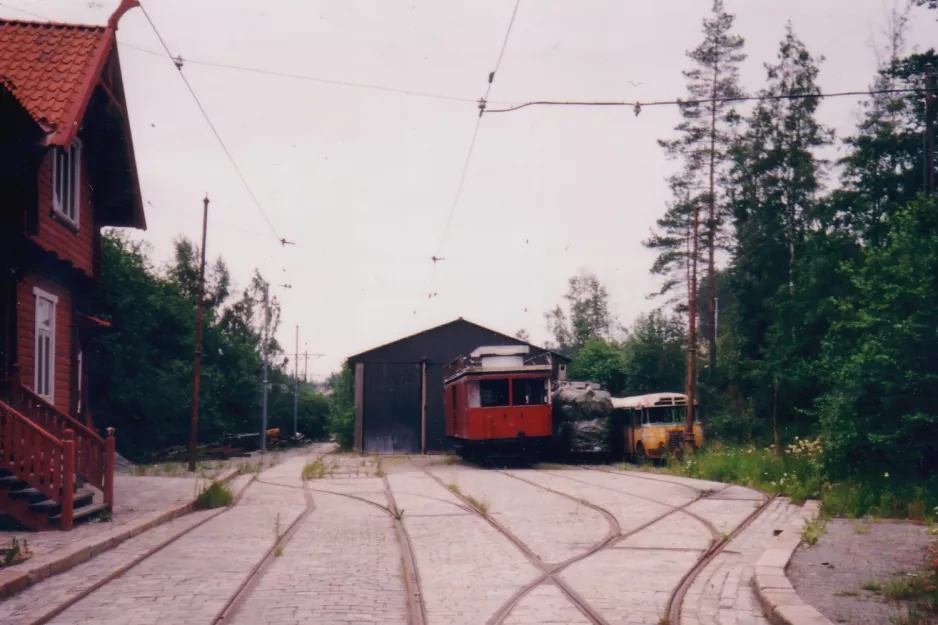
399 386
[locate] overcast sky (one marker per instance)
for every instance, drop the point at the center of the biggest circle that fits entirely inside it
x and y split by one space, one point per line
363 180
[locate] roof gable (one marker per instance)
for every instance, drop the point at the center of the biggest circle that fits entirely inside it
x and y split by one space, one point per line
460 321
52 69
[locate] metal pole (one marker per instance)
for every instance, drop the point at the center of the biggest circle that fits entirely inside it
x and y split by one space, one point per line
264 348
692 331
716 317
197 354
296 377
305 364
929 130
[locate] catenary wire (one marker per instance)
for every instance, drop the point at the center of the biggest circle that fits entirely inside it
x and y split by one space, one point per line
211 125
317 79
638 105
475 131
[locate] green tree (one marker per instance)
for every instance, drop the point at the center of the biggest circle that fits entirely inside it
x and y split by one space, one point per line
588 315
778 179
706 133
602 361
880 413
655 354
341 416
884 169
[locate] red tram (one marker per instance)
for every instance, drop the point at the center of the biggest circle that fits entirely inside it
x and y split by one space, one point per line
496 402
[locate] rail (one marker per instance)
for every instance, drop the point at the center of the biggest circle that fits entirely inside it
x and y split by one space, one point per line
94 455
38 458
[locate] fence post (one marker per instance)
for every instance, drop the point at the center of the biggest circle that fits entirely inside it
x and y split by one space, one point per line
109 444
68 479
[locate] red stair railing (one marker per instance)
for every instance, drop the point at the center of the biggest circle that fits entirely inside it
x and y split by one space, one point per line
38 458
94 455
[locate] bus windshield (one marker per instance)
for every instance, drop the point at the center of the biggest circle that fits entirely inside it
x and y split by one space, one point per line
667 414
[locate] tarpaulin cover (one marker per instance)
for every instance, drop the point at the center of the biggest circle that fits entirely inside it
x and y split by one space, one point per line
583 418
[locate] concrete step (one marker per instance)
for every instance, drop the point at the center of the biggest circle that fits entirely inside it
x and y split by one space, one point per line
82 515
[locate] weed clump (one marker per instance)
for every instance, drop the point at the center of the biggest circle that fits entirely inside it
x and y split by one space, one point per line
216 495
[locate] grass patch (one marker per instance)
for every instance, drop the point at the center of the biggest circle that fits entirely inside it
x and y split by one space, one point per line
872 586
278 552
216 495
798 473
454 489
861 528
448 459
846 593
317 470
480 506
15 553
813 529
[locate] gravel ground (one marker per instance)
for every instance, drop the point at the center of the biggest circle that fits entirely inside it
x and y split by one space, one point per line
830 574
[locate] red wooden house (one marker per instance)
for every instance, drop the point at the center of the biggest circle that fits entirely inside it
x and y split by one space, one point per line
66 170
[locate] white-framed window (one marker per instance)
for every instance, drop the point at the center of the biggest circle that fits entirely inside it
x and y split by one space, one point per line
66 182
44 374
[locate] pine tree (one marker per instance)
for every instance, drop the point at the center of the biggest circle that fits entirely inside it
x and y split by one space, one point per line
777 178
706 134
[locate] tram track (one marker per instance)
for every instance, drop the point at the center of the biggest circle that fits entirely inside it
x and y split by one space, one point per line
547 571
676 600
416 610
607 543
550 573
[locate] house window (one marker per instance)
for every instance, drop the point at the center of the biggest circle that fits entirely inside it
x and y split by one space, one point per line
44 374
66 183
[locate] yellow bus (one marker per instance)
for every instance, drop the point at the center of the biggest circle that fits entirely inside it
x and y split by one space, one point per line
654 424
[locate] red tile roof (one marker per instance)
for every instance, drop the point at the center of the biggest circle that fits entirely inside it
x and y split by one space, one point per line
51 69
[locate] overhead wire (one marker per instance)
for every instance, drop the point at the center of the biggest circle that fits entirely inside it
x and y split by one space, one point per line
211 125
638 105
305 77
475 132
25 12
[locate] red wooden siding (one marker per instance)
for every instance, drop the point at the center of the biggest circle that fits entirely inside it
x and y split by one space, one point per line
59 237
26 331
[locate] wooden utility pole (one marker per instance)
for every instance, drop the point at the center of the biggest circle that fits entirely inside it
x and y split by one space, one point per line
264 352
929 130
197 354
692 329
296 377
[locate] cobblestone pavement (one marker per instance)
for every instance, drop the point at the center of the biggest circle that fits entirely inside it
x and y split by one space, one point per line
344 564
722 594
561 529
342 567
850 554
190 580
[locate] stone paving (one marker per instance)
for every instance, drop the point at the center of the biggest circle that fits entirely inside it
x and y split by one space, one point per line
42 598
630 587
190 580
134 497
467 569
722 594
560 530
546 605
343 565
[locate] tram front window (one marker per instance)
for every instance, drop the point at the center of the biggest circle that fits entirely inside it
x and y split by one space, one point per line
494 393
528 392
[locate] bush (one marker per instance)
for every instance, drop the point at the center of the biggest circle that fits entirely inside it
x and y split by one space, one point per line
798 472
216 495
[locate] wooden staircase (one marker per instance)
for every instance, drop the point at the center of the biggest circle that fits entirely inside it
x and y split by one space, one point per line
51 464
